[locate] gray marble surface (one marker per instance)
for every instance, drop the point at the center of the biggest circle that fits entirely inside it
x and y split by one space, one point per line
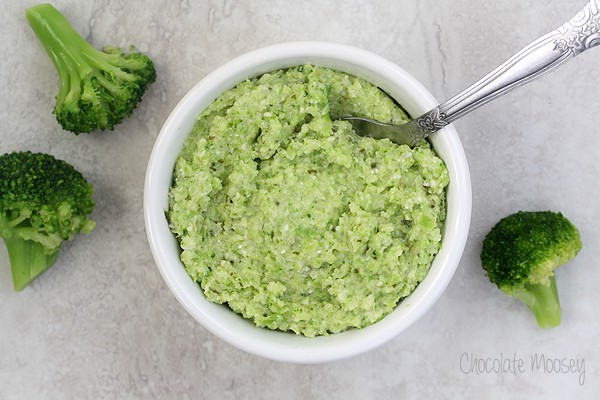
102 324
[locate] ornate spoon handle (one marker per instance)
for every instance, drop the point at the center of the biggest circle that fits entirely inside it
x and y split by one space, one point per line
541 56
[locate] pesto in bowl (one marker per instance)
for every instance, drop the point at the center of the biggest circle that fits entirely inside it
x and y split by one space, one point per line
287 216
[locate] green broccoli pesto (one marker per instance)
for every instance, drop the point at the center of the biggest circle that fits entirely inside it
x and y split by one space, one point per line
291 219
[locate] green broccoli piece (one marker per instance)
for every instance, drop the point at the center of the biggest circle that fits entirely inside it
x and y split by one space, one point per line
43 202
521 253
98 89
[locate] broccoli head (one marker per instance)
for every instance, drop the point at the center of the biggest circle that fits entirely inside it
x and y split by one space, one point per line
521 253
98 89
43 202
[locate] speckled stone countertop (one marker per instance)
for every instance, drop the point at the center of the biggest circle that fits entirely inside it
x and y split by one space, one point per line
102 324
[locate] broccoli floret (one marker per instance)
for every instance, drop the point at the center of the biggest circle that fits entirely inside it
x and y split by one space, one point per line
43 202
97 88
521 253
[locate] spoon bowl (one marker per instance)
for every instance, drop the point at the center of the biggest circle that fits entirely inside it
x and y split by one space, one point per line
219 319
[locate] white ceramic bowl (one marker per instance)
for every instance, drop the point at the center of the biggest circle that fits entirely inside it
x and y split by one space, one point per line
219 319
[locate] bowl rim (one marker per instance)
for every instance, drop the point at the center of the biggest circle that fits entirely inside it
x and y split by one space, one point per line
283 346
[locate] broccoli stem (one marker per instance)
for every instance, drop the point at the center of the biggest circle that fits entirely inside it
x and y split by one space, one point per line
543 301
28 260
74 58
61 42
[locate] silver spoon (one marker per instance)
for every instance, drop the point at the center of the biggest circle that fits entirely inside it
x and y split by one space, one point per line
539 57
